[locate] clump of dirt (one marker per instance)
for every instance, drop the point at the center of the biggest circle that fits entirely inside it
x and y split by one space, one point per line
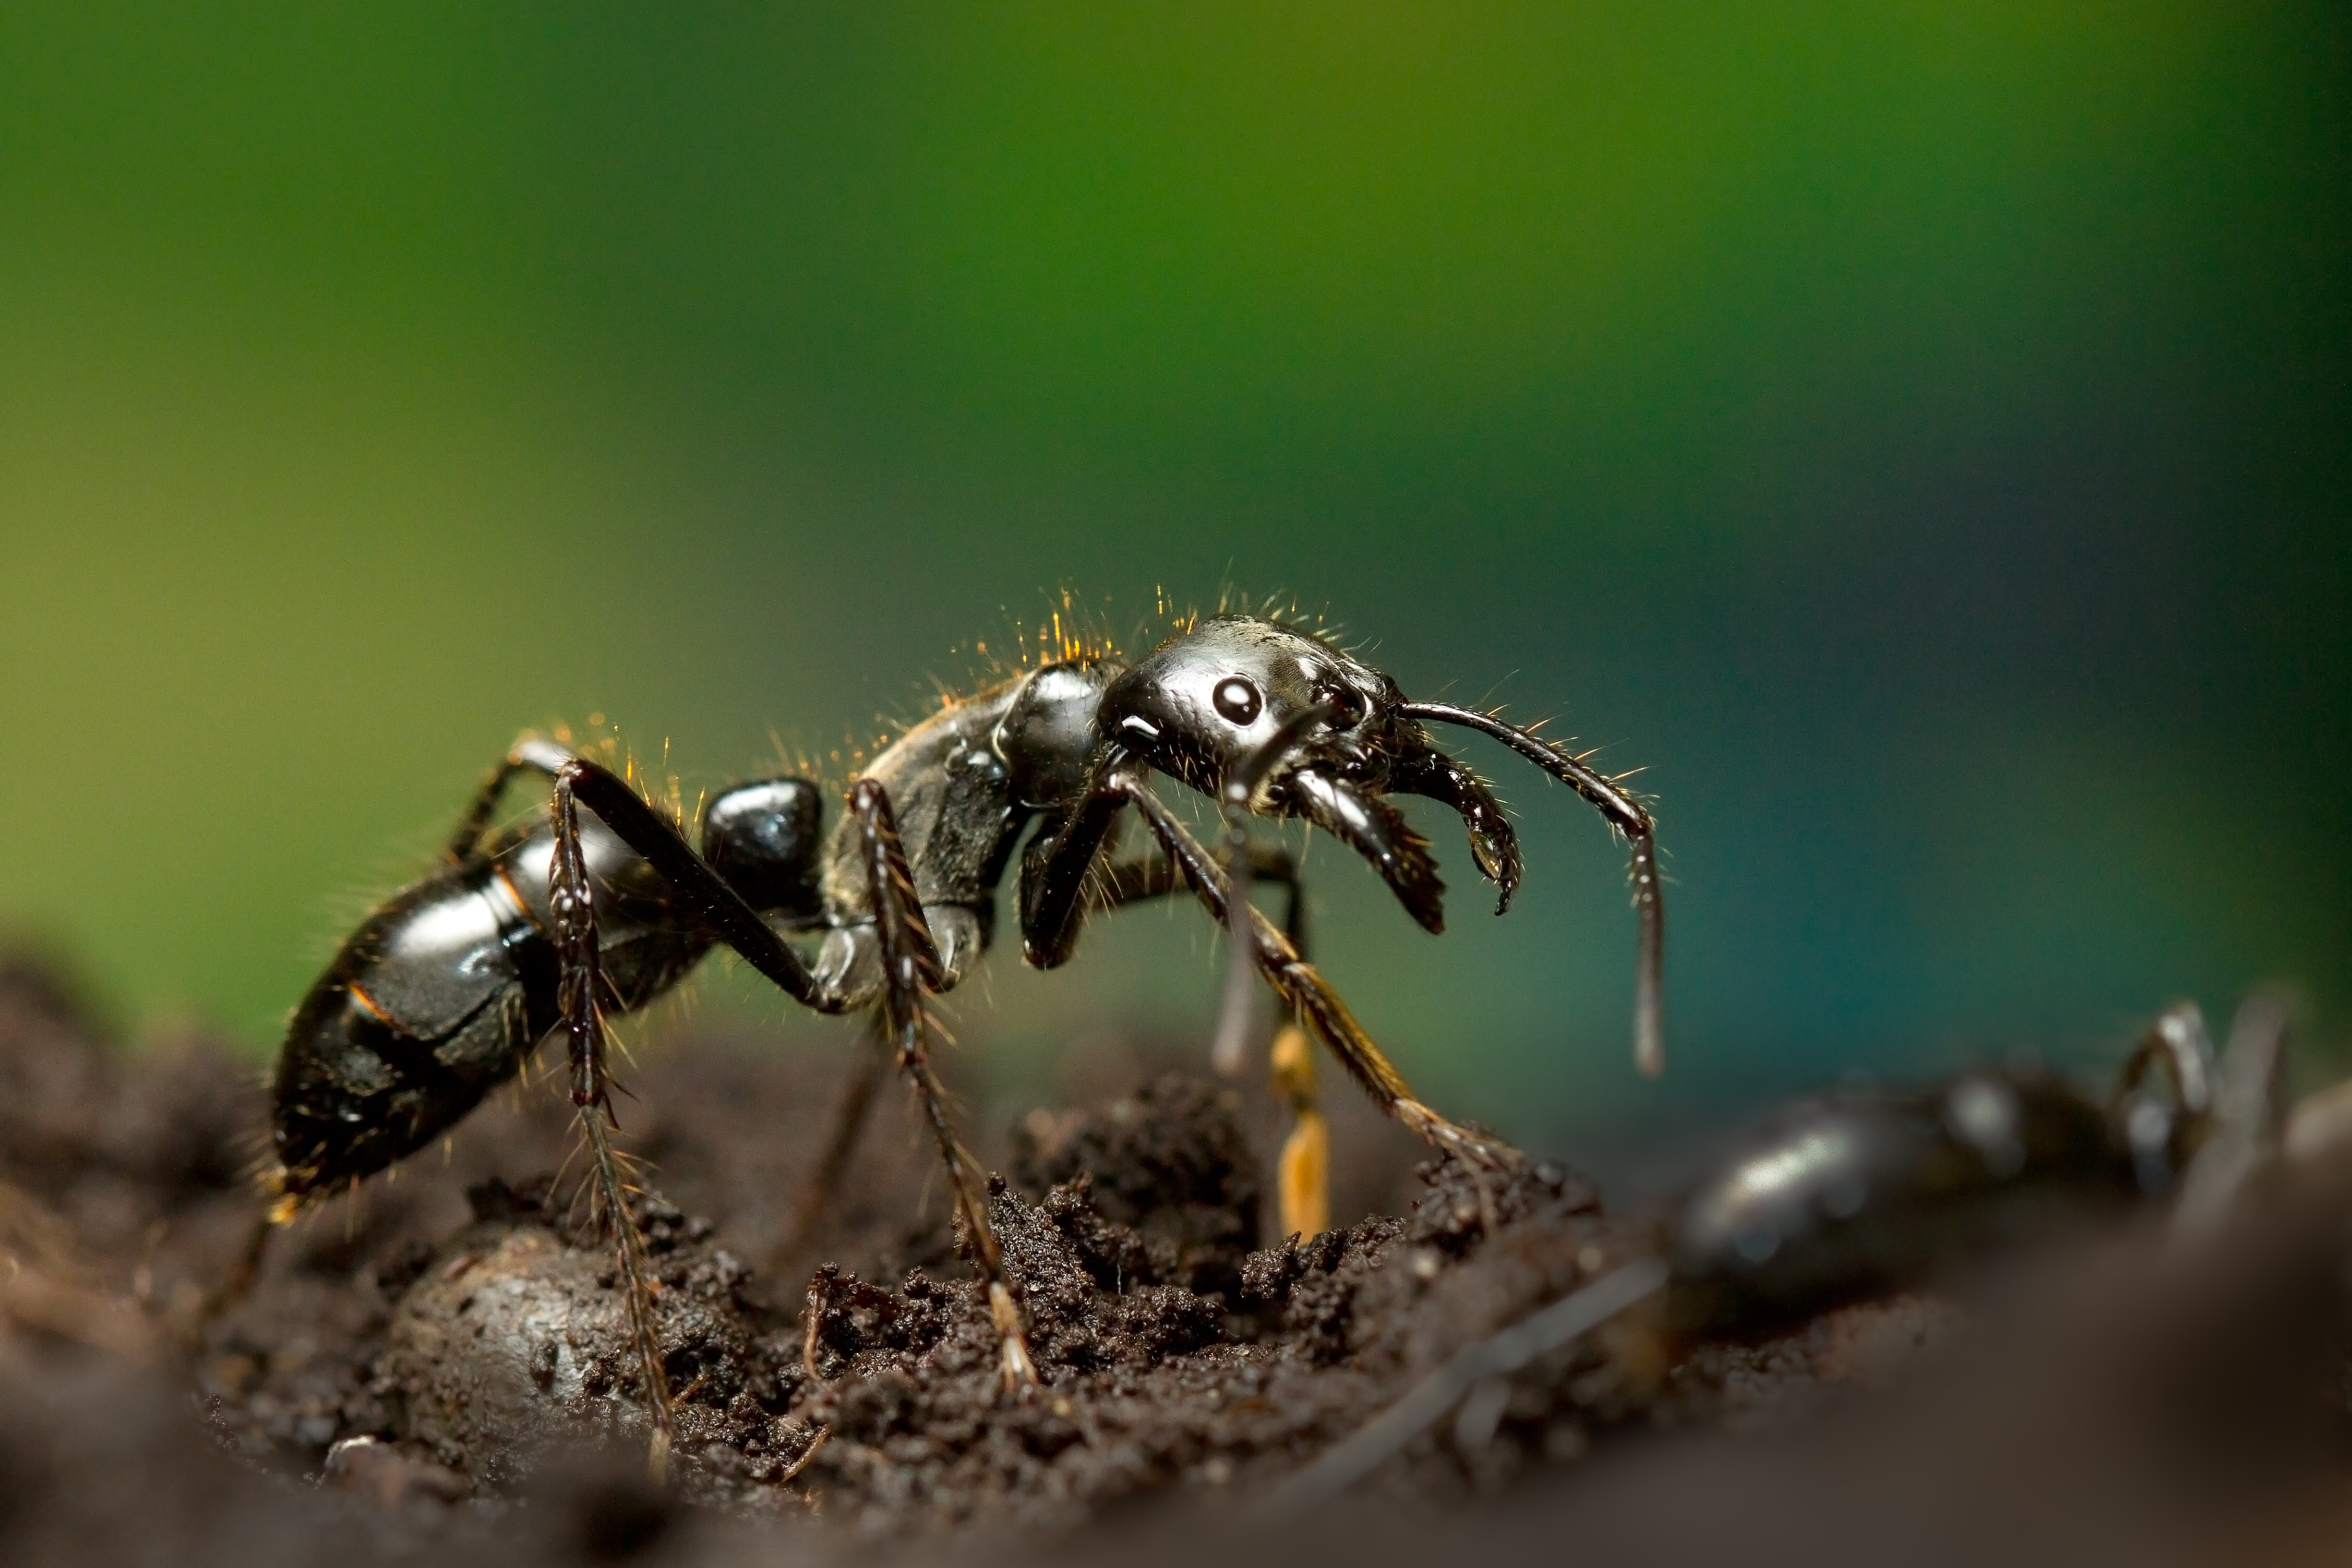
417 1367
1781 1382
514 1337
444 1336
1168 1166
1173 1358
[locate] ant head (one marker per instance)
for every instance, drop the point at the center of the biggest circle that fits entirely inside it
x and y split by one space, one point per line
1275 721
1280 723
1206 704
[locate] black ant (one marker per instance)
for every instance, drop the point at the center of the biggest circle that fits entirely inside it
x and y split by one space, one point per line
1868 1191
446 991
1862 1193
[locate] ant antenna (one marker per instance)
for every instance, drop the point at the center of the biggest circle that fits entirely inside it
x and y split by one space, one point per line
1629 817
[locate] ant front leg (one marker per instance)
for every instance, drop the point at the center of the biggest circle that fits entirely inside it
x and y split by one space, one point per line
910 966
1303 1171
1310 995
580 979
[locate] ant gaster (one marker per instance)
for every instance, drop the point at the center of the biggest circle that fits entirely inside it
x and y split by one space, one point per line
445 991
1867 1191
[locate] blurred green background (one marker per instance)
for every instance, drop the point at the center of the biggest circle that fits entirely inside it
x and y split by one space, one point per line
1918 434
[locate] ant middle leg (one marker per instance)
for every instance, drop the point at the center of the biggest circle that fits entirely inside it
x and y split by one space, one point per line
1136 878
2248 1115
911 967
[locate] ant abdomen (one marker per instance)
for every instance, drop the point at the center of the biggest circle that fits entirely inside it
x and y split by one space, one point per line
446 991
424 1011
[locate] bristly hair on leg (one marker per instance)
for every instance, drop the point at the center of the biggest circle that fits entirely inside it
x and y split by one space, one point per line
636 1284
911 971
572 904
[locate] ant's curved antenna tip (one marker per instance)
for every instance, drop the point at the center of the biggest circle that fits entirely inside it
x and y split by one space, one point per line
1624 812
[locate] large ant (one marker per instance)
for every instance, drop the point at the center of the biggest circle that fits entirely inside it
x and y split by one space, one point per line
446 990
1862 1193
1867 1191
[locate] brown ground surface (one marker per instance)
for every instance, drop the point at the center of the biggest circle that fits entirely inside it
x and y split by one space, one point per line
436 1366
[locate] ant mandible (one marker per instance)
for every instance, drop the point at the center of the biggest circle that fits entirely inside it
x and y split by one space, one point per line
447 990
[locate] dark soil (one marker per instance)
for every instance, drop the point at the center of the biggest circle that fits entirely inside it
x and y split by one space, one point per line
1177 1357
437 1365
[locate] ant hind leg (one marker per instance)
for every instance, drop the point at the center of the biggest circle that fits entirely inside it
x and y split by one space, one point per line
581 977
529 754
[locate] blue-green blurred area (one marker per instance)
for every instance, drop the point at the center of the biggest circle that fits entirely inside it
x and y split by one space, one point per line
1917 434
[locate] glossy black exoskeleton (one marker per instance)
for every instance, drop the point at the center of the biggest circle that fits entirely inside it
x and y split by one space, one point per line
447 989
440 995
1856 1194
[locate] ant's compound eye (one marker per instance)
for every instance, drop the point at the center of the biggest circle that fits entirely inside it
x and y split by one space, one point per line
1237 700
1346 704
